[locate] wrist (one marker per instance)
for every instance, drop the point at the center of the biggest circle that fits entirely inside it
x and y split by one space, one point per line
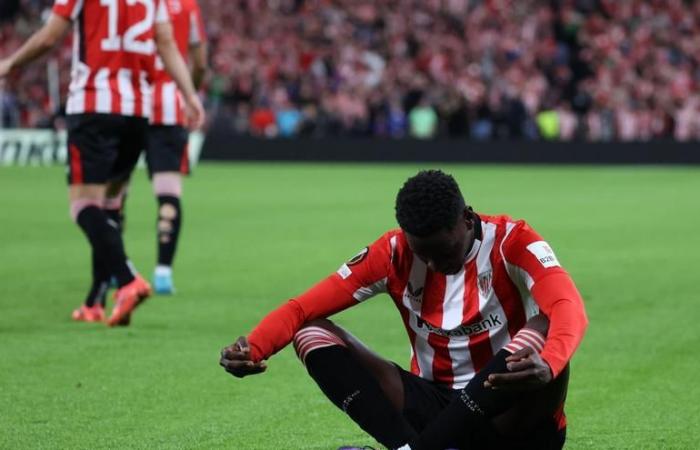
191 97
549 369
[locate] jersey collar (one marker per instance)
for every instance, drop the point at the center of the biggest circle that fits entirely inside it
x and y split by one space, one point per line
476 245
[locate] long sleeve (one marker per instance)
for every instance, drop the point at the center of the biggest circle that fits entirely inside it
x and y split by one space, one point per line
360 278
538 269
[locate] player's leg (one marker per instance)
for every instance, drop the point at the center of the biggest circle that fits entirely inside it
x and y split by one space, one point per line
167 187
167 161
132 140
115 201
502 418
92 152
365 386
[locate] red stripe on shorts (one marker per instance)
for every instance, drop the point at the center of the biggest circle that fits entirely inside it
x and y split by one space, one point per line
76 167
185 161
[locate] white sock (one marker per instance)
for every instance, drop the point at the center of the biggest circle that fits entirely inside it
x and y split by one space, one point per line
164 271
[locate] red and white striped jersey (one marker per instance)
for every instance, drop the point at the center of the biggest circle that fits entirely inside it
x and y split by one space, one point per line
113 54
455 323
188 28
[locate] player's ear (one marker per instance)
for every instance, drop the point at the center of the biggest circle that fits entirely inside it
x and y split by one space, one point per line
468 217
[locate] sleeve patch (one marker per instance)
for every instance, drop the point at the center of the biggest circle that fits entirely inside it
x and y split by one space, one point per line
544 254
357 259
344 271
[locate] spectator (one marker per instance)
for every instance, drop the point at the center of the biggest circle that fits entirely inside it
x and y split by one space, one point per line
423 120
606 69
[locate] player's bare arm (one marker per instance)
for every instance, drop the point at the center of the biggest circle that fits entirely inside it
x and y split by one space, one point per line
38 44
176 67
198 56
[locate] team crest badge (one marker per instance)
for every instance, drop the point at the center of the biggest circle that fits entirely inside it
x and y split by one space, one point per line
485 281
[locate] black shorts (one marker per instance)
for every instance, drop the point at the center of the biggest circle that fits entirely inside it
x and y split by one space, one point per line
424 400
167 150
103 147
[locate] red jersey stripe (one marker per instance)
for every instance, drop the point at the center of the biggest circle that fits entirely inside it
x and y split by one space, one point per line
506 289
479 344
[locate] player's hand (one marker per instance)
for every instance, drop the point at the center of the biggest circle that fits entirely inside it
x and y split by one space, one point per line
194 111
236 359
526 371
5 67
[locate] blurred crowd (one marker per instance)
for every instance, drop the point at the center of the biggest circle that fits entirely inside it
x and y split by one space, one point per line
594 70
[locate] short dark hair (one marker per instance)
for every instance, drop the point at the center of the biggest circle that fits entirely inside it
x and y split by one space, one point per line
428 202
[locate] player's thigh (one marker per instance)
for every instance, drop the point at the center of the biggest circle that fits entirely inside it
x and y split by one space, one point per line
133 140
384 371
93 148
167 150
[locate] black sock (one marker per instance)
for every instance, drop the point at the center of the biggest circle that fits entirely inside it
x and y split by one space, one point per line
354 390
100 281
117 217
168 226
106 242
471 410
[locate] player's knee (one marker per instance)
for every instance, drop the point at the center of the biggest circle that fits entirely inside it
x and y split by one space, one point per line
167 183
167 212
315 335
78 205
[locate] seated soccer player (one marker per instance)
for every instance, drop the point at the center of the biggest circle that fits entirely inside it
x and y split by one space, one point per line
492 318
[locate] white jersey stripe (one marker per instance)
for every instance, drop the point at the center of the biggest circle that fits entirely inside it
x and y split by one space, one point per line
453 302
424 351
145 94
462 367
77 9
522 280
413 293
194 37
103 92
412 300
392 242
79 76
489 303
366 292
126 91
169 103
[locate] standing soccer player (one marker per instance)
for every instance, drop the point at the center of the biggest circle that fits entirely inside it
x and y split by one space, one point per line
492 319
166 153
109 103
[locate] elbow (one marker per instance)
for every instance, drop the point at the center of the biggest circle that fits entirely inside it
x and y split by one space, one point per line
583 317
584 323
164 41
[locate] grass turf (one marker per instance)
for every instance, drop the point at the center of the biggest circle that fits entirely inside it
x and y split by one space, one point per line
256 234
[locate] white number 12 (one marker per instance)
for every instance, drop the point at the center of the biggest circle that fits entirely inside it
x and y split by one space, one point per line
129 42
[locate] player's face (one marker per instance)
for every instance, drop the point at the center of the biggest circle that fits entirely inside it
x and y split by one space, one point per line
446 250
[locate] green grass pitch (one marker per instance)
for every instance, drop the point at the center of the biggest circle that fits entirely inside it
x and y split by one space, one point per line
255 235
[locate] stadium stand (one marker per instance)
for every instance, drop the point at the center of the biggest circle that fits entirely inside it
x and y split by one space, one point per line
482 69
